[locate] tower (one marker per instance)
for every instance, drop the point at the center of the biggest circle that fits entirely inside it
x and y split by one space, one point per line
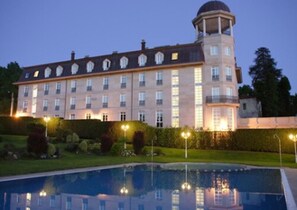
214 31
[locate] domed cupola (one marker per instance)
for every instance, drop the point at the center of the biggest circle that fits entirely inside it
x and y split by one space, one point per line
214 17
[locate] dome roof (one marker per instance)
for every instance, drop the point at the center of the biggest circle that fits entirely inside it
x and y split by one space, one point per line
212 6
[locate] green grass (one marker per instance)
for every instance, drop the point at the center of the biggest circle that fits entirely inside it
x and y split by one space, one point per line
70 160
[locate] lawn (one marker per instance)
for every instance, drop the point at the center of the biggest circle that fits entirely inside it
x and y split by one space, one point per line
70 160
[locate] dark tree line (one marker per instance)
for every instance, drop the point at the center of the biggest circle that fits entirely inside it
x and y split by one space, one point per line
270 87
8 75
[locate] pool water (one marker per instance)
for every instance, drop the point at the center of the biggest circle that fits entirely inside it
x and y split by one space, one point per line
150 187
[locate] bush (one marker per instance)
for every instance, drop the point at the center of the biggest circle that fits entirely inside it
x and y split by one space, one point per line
37 144
51 150
61 134
95 147
72 138
71 147
106 143
138 142
83 146
117 149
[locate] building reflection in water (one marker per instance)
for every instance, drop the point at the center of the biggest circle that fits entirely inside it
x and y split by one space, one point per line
155 190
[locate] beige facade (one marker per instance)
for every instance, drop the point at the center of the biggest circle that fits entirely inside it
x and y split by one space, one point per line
191 85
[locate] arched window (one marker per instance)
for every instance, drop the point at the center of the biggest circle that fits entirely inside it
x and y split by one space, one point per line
106 64
74 68
59 71
90 66
124 62
142 60
47 72
159 58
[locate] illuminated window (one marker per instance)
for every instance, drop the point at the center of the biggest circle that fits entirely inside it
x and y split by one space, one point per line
216 117
174 56
74 68
230 118
124 62
159 58
198 75
106 64
36 73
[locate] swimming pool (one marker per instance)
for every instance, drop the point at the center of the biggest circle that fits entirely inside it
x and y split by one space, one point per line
149 187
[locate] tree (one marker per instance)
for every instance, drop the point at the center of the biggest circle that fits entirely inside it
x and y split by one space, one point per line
284 98
246 91
265 79
8 76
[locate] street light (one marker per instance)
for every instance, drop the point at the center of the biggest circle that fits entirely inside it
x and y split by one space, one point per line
186 135
293 137
42 193
46 119
125 128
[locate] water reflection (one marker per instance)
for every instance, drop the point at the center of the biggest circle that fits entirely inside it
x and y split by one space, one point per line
148 188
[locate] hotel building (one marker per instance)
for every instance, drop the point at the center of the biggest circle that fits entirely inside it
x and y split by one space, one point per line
192 84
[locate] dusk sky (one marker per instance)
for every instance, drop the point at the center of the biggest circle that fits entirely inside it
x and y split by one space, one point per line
36 32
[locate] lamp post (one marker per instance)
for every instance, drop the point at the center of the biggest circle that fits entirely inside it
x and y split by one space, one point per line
280 150
46 119
186 135
293 137
125 128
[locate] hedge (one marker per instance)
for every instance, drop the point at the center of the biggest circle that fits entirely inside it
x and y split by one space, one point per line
261 140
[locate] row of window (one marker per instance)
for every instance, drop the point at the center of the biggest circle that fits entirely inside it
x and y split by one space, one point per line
123 117
215 73
106 64
123 84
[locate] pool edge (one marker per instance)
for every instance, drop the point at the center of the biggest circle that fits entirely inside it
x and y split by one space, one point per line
290 201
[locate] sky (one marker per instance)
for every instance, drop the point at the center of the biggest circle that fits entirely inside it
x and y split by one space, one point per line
34 32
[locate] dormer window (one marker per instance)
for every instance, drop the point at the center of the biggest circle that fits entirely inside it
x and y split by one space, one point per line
27 75
90 66
47 72
59 71
74 68
142 60
106 64
36 73
159 58
174 56
124 62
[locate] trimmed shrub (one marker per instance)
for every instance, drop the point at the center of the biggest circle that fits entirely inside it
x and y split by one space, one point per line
61 134
37 144
117 149
138 142
106 143
83 146
71 147
95 148
72 138
51 150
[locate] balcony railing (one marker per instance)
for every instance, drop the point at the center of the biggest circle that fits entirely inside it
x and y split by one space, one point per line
222 99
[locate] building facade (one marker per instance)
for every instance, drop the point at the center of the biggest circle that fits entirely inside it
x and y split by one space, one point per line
191 84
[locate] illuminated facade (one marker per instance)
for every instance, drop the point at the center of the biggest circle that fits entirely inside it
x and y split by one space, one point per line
191 84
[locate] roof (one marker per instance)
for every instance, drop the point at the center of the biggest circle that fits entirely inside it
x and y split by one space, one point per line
187 53
213 6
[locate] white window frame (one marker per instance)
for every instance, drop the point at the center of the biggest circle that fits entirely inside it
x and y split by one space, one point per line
215 73
106 64
124 62
90 66
214 50
59 71
74 68
159 58
228 51
47 72
142 59
141 116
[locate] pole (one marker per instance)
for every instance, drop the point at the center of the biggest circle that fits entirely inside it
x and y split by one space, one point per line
280 150
45 129
11 104
295 151
125 146
186 148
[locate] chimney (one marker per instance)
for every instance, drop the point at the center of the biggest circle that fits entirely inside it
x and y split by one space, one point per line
142 44
72 55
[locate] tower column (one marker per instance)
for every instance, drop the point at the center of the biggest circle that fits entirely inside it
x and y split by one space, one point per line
204 27
231 27
219 25
197 32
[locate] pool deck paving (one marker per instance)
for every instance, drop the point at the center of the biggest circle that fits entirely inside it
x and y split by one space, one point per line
291 175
